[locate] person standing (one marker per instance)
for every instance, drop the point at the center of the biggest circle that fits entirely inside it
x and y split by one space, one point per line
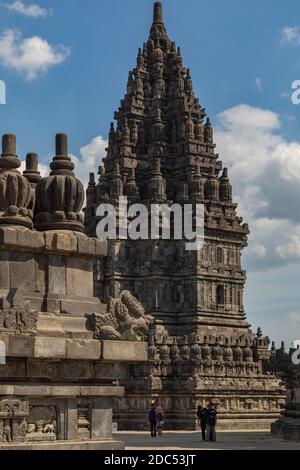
202 416
160 420
153 420
211 422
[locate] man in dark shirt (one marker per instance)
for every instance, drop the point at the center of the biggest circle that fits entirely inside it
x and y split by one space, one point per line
211 422
201 413
153 420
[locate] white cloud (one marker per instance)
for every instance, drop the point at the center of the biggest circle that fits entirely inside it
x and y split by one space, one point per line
290 35
259 84
258 250
294 317
33 10
30 56
290 250
265 172
91 156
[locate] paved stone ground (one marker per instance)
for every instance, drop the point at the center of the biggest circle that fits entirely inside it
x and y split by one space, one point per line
192 441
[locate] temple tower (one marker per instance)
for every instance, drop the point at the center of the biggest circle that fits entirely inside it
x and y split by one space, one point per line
161 150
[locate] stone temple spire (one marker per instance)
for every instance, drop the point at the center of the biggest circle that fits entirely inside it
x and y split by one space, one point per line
158 13
160 116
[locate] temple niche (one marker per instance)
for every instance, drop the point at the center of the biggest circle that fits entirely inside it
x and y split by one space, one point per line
201 347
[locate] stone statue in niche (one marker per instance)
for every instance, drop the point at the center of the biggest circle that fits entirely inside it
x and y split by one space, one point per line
125 320
42 424
50 428
7 437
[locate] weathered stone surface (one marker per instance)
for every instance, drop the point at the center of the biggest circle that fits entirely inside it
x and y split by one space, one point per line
8 236
22 271
4 269
102 419
83 349
78 306
79 277
101 248
72 422
101 391
30 240
64 243
57 275
41 272
123 351
50 348
7 390
21 346
5 339
105 444
86 246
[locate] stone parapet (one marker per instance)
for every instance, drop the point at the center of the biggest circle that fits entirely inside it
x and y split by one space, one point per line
66 243
49 347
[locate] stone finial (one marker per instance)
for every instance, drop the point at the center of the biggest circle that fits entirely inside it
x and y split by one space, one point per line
273 348
60 196
32 168
91 190
208 132
158 13
211 187
225 187
189 128
259 332
111 132
9 157
102 189
158 127
62 164
131 189
157 186
15 189
33 175
116 183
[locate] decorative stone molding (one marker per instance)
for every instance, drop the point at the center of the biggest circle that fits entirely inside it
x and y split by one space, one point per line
18 319
13 408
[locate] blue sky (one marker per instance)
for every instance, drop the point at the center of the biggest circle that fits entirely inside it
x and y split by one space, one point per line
244 55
